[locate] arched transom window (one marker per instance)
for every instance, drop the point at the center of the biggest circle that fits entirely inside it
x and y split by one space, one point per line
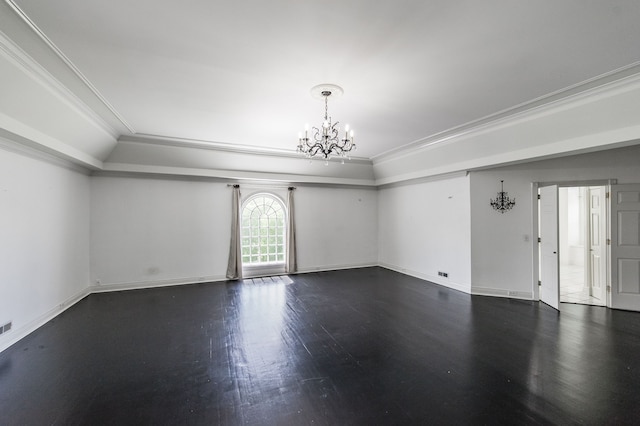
263 230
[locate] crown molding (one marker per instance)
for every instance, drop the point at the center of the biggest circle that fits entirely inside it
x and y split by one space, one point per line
14 54
10 145
226 147
572 95
229 175
76 72
421 179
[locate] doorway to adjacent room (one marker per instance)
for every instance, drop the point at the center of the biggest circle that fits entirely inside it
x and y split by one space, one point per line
582 239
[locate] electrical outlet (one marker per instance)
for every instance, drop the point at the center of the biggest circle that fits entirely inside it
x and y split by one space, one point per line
6 327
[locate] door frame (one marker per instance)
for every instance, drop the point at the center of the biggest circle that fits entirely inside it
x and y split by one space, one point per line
535 287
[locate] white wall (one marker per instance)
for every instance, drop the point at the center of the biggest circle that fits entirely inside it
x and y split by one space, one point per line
425 228
502 259
154 231
336 227
44 239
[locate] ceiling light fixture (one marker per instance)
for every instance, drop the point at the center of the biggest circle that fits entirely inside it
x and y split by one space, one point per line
325 141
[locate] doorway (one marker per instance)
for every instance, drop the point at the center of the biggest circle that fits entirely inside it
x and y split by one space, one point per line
582 244
611 245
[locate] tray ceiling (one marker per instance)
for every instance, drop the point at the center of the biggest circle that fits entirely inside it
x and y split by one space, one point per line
239 73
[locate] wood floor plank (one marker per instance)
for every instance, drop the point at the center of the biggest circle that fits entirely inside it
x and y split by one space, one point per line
363 346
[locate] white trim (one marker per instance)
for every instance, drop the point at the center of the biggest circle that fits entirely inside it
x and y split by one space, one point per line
264 268
17 131
561 99
40 155
142 138
17 334
499 292
136 285
422 179
234 175
431 278
73 68
327 268
13 53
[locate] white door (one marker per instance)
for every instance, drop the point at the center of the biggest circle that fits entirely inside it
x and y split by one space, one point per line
597 272
549 259
625 247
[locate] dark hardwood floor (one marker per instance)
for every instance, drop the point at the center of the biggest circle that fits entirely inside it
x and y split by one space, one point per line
362 347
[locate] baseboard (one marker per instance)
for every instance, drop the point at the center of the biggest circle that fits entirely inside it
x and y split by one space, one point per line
498 292
334 268
16 334
136 285
436 280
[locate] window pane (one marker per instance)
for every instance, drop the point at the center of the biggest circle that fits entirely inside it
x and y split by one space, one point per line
263 230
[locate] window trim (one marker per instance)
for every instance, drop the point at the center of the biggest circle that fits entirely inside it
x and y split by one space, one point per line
265 268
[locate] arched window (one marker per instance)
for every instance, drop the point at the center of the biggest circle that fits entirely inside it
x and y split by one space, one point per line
263 230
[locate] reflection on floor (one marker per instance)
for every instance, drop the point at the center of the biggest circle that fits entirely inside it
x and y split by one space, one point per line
572 288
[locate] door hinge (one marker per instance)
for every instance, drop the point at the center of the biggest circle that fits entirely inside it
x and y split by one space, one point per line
608 289
538 196
539 282
608 241
539 239
606 195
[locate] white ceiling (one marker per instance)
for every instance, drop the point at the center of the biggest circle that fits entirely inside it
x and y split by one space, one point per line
239 72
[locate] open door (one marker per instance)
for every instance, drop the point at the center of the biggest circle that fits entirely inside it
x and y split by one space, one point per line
597 255
549 259
625 247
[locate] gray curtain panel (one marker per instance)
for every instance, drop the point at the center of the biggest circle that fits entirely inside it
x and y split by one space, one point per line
234 269
291 263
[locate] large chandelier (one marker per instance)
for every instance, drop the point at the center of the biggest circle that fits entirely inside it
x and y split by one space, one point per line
325 141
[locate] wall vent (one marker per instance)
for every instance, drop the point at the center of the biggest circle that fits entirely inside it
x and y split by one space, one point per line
443 274
6 327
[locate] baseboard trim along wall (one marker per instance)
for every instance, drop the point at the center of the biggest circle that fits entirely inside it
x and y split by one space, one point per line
334 268
497 292
465 288
16 334
136 285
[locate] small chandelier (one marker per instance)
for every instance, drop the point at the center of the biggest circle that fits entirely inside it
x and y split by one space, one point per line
502 203
325 141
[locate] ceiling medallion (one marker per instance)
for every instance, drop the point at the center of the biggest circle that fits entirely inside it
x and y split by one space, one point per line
325 140
502 203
